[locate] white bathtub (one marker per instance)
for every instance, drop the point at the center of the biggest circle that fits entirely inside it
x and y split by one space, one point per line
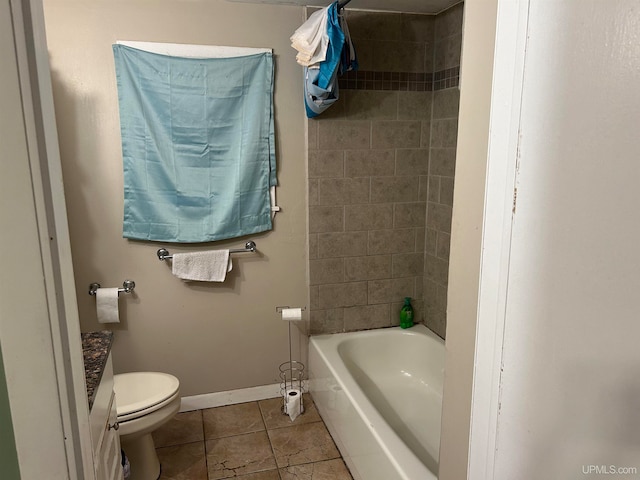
380 394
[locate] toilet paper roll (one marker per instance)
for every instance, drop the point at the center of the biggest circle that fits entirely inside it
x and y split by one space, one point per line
293 403
291 314
107 305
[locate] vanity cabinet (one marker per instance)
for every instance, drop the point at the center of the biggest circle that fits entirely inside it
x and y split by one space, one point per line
104 428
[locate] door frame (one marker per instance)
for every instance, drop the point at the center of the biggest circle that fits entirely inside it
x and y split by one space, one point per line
39 328
492 72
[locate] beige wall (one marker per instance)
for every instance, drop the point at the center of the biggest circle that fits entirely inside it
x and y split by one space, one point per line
212 337
466 239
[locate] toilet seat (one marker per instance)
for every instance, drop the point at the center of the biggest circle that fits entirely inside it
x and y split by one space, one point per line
141 393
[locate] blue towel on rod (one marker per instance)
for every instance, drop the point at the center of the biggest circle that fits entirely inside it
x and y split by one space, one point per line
198 145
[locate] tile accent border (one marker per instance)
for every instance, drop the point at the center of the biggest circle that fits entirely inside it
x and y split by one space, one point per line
229 397
400 81
447 78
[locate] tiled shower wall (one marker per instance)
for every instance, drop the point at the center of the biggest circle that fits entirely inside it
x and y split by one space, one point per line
369 179
444 129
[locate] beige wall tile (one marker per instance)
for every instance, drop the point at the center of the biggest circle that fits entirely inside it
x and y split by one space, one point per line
437 270
420 239
439 217
369 163
453 48
335 112
343 191
326 219
326 321
407 264
437 322
444 133
326 270
449 22
349 244
368 217
399 56
371 26
423 188
374 26
342 295
367 268
425 134
312 135
414 105
444 240
326 163
443 162
371 105
365 317
394 189
412 161
392 241
434 189
396 134
390 290
417 28
446 103
409 215
431 242
366 55
340 134
446 191
313 246
313 191
314 297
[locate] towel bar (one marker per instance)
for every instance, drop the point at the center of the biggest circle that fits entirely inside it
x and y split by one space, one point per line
127 287
163 253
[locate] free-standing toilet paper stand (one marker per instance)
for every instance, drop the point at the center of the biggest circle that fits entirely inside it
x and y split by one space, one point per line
291 372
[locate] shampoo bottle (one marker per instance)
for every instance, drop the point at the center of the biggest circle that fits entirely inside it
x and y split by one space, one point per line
406 314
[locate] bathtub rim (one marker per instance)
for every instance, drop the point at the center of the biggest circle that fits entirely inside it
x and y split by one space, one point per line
395 449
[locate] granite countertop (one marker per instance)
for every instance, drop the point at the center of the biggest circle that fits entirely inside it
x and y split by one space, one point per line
95 349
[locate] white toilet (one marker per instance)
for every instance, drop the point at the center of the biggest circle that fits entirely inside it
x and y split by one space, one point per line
144 402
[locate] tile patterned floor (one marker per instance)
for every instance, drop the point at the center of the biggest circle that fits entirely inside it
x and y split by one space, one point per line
249 441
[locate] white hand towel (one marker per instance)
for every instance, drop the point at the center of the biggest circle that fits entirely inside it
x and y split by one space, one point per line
311 39
211 266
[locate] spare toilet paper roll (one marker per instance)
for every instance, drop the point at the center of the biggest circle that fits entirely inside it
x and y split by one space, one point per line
293 403
107 305
291 314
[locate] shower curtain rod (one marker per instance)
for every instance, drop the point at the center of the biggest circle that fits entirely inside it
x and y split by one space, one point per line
342 4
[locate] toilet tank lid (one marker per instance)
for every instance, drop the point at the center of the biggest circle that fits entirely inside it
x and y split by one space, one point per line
141 390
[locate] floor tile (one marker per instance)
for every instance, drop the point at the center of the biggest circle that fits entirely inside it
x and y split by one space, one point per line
232 420
183 428
183 462
273 418
327 470
302 444
268 475
238 455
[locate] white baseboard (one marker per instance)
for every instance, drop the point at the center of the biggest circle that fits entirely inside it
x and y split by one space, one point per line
230 397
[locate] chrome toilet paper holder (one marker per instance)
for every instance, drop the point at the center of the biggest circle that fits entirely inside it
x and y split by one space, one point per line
127 287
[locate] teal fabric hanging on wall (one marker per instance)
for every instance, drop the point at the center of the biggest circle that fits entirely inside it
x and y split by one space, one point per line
198 145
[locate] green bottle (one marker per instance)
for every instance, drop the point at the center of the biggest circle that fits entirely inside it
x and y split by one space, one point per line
406 314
